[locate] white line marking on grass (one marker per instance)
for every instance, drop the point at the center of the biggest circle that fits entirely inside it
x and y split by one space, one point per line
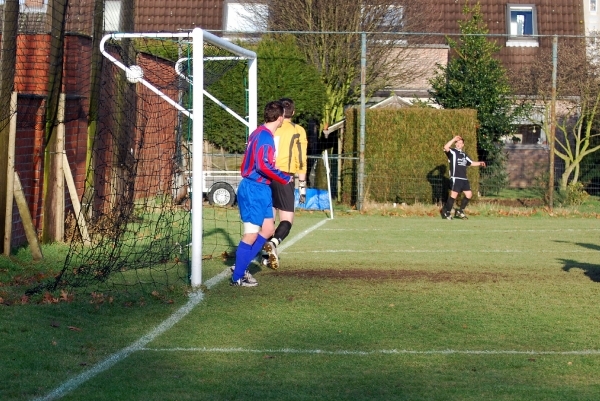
75 382
444 251
389 352
462 230
194 299
303 234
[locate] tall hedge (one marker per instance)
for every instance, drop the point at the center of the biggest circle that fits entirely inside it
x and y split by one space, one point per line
404 158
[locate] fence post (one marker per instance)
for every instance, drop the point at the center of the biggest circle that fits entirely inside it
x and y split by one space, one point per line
361 155
551 134
10 173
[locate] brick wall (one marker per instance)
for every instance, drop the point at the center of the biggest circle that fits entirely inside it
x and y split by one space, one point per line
526 163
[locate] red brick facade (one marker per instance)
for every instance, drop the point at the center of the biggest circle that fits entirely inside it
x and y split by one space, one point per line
156 118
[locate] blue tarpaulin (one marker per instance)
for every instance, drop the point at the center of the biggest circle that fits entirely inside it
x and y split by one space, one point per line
316 199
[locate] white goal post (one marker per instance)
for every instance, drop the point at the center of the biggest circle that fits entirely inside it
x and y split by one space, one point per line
135 74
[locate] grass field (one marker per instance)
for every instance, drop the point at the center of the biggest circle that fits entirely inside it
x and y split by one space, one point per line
364 307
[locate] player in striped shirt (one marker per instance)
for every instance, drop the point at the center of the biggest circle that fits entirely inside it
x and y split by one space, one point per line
254 194
459 161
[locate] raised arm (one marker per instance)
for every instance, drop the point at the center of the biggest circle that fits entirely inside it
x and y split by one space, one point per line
448 145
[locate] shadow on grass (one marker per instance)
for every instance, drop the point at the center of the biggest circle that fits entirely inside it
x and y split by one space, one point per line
593 247
591 270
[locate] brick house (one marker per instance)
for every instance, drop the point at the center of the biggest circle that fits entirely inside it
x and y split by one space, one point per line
524 30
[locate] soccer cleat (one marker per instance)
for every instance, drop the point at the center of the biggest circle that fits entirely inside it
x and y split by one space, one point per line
242 282
247 276
459 214
273 259
446 215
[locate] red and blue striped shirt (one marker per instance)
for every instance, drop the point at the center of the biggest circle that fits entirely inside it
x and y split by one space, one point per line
259 159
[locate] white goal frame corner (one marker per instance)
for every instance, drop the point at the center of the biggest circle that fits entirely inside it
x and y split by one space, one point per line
135 75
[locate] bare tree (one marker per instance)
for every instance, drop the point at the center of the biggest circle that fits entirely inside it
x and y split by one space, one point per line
329 33
578 102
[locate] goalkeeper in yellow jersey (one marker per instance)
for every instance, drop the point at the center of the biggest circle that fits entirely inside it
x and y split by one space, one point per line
290 157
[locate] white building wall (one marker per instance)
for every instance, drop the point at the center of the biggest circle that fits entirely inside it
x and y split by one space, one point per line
590 14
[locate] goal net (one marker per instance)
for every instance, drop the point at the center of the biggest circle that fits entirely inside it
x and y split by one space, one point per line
143 206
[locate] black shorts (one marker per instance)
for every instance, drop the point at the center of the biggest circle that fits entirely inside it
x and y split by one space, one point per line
459 185
283 196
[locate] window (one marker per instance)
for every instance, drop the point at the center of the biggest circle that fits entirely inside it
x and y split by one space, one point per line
521 21
593 6
31 6
112 15
392 20
245 17
383 18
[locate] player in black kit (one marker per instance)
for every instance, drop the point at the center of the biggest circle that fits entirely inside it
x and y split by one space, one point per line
459 161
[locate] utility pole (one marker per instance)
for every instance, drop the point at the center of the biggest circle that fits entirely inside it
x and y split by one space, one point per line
361 154
551 134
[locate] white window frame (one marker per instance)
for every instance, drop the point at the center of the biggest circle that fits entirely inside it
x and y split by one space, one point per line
521 40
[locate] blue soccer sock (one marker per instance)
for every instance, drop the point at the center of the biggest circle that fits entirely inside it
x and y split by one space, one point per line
258 244
243 257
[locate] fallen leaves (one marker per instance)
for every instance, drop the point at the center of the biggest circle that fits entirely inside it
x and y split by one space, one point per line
44 298
56 324
99 298
64 296
161 297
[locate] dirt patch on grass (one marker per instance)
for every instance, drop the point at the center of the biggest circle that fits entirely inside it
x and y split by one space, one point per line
399 275
513 202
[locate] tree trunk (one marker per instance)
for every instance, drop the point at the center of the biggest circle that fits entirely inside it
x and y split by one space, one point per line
50 232
123 168
95 81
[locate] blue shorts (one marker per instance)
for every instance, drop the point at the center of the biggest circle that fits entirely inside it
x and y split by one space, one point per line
255 202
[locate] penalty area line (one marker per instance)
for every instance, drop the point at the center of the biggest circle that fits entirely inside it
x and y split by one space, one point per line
445 251
375 352
194 299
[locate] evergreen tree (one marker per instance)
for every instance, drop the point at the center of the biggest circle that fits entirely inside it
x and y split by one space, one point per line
474 79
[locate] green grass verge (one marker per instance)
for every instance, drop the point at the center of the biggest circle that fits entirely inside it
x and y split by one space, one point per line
368 306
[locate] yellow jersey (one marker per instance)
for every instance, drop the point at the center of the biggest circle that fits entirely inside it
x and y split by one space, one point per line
290 148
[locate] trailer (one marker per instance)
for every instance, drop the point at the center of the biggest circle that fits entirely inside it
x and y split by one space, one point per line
220 187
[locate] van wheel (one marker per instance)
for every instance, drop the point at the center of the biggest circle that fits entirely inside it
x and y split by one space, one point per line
221 194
